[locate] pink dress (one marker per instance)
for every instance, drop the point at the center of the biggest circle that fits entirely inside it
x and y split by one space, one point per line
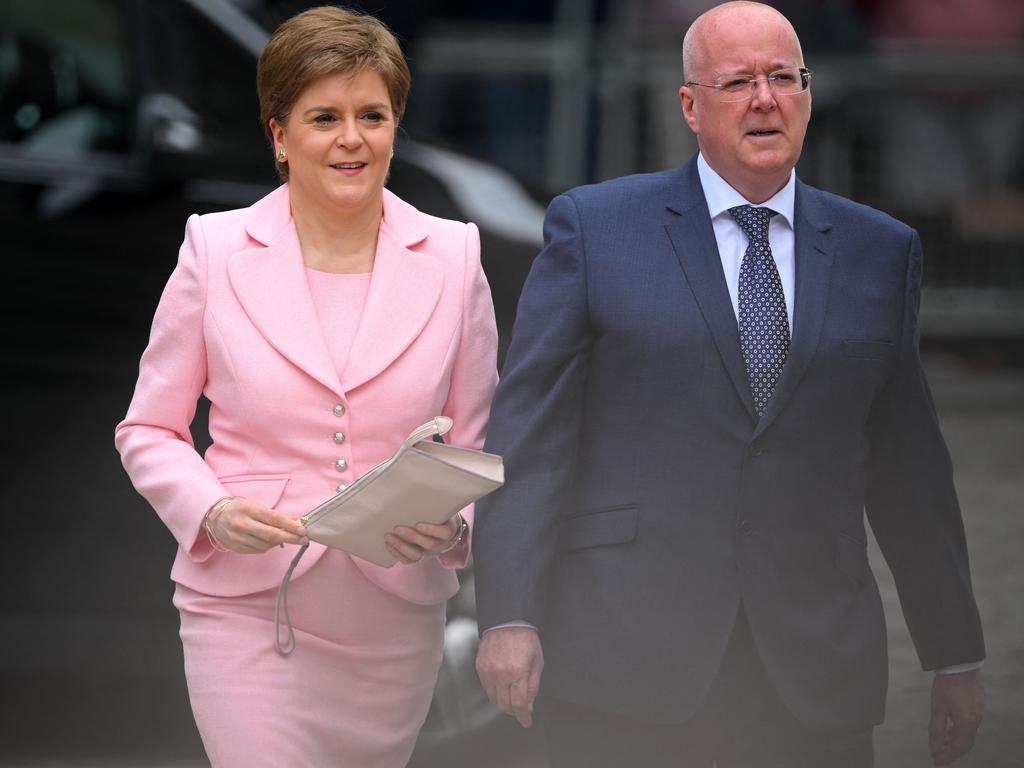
357 687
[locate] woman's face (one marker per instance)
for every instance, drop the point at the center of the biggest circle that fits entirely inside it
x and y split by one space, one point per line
338 141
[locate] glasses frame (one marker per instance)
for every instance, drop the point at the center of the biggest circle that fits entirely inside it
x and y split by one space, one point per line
771 77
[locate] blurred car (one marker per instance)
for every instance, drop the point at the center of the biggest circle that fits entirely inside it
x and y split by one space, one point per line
118 119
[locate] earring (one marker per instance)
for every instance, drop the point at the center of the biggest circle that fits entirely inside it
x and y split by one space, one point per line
281 155
392 152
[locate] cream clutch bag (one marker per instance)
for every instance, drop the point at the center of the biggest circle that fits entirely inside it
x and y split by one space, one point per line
424 481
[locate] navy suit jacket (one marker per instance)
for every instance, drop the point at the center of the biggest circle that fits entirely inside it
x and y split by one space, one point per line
646 500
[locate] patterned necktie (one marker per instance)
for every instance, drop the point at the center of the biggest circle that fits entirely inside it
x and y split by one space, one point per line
763 324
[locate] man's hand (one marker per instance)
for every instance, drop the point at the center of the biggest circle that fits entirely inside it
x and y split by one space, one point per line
958 702
509 663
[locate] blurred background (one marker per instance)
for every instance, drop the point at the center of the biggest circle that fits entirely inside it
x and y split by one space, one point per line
118 118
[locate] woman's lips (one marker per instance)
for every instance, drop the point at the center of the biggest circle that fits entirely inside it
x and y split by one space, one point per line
349 169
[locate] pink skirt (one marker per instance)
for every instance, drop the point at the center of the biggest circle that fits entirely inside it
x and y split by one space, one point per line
353 693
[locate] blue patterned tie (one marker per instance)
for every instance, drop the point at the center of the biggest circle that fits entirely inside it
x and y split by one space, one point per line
764 326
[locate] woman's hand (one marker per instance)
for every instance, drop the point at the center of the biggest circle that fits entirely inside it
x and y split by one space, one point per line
249 528
411 544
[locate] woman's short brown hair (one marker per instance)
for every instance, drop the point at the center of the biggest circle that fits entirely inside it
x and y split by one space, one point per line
323 41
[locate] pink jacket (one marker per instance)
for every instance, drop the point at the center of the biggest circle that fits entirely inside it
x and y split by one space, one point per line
236 323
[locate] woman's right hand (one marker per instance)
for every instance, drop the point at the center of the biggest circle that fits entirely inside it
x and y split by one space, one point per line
249 528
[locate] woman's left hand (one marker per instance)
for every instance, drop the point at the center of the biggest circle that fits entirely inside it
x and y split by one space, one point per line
410 545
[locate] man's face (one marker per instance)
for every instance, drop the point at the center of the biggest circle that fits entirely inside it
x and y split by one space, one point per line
754 143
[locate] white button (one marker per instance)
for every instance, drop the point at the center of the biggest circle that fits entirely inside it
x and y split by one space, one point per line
342 487
339 410
340 464
339 437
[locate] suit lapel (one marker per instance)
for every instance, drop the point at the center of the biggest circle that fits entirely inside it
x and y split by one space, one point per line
814 259
270 283
404 290
693 239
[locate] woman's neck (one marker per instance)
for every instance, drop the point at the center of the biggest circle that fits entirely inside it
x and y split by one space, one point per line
339 243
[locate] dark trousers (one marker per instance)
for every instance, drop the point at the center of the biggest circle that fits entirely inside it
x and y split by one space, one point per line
741 724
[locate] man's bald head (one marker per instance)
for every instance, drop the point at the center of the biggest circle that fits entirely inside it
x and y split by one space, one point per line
702 30
750 137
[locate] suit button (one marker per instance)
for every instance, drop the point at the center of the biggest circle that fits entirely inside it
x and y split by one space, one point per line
340 465
342 487
339 410
746 528
339 437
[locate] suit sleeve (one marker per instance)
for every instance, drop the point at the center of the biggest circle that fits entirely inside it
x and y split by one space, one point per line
535 427
153 439
912 504
474 373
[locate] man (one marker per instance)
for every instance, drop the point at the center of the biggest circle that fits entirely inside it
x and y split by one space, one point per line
714 372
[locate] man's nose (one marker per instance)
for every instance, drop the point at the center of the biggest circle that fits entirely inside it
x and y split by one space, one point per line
763 96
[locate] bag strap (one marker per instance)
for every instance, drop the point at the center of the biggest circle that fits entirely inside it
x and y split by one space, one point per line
285 649
439 425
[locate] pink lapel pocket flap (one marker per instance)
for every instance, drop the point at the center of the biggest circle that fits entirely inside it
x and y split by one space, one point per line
264 489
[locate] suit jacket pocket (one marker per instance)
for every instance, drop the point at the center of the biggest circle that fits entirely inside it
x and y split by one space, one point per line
852 558
264 489
867 350
616 525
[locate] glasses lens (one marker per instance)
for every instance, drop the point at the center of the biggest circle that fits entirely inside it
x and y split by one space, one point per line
783 82
736 88
787 80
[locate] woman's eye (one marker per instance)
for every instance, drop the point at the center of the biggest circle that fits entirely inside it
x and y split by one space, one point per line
373 117
323 119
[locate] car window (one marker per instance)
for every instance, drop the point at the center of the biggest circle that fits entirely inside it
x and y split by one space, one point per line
64 91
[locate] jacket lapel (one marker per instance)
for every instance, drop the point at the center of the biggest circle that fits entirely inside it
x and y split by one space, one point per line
814 259
404 290
270 283
693 240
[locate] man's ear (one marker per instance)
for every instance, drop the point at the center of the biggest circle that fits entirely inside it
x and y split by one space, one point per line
689 106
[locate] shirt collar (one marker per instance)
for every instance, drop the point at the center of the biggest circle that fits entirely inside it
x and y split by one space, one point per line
721 197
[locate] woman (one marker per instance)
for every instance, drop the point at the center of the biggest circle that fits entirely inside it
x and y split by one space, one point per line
324 324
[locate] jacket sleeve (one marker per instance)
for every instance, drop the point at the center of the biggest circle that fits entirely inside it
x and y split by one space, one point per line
474 373
153 439
535 427
912 504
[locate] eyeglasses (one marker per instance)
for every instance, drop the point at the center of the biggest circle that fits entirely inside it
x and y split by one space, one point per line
783 82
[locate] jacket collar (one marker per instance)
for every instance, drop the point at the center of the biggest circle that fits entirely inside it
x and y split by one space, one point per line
267 218
269 280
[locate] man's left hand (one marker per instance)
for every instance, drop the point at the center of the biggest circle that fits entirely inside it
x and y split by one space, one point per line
958 702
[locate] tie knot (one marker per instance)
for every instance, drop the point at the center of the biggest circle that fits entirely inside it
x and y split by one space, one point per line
753 221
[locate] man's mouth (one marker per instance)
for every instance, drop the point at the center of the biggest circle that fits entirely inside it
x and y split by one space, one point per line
766 132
